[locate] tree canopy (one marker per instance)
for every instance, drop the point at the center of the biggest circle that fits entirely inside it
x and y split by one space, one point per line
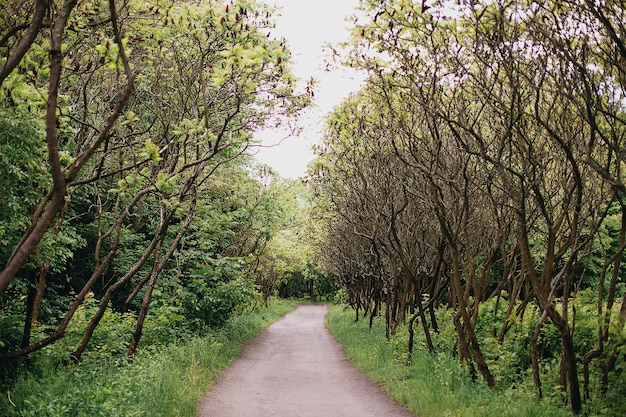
482 161
126 130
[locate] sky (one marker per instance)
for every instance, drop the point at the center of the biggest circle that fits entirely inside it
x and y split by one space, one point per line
308 26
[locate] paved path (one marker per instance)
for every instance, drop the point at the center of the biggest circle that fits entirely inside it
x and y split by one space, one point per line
296 369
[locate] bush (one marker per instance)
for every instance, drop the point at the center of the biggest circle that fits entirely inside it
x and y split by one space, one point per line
211 294
434 385
212 304
168 381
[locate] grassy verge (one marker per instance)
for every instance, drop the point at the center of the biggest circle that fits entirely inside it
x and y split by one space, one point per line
434 385
168 381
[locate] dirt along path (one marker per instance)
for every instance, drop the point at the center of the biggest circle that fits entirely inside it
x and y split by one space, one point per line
295 368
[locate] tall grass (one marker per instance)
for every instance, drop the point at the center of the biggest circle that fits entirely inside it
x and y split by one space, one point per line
165 381
434 385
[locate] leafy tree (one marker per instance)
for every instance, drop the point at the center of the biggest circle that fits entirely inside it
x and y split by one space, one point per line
289 265
144 104
480 126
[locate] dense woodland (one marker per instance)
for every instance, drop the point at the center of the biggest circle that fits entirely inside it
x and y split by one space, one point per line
471 192
480 172
127 185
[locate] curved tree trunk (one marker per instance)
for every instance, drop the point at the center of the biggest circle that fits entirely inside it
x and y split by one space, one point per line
28 322
52 204
26 42
466 327
158 267
143 312
104 301
411 337
429 340
133 294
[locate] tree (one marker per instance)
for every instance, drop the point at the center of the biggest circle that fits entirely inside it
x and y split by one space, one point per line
188 83
483 108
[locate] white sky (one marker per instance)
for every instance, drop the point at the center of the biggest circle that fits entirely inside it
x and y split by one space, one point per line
307 26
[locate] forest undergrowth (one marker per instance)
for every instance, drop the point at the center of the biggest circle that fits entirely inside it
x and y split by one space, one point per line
437 385
166 378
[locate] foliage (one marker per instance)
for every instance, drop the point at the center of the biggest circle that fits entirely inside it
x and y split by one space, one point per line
436 384
152 108
482 158
290 266
210 299
166 380
21 173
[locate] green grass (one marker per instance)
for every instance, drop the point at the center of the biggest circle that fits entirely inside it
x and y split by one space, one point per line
434 385
164 381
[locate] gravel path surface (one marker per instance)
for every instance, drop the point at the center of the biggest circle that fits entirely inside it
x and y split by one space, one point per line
296 369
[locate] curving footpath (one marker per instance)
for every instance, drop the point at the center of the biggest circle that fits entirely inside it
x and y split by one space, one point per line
295 368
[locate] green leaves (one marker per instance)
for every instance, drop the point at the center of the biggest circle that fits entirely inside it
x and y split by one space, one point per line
192 128
165 183
109 52
22 174
151 151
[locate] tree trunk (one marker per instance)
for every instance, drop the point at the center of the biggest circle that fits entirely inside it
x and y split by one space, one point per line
133 294
52 204
411 336
462 345
466 326
568 363
28 321
26 42
374 312
156 270
387 315
41 286
31 239
429 341
143 312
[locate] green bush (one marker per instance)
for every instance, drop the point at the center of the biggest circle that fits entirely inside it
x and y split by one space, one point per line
165 381
211 294
212 303
434 385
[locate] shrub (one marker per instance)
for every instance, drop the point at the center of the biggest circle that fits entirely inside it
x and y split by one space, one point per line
165 381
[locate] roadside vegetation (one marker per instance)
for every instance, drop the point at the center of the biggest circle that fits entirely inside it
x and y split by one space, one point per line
472 194
437 385
168 378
